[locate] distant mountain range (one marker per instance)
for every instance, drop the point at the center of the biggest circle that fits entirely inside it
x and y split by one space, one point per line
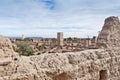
26 37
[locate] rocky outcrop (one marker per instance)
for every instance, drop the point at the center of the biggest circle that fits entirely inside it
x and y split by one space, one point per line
6 49
109 36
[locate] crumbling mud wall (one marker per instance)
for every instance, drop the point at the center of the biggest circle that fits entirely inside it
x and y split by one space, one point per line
95 64
109 36
6 49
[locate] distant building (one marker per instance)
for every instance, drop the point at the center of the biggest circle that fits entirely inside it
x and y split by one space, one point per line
87 42
94 41
60 39
23 37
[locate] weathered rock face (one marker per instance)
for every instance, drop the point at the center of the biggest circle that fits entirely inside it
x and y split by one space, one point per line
6 49
109 36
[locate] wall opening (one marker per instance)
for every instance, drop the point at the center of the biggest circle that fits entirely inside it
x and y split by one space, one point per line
103 75
62 76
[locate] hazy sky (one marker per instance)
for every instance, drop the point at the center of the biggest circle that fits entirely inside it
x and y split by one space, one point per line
78 18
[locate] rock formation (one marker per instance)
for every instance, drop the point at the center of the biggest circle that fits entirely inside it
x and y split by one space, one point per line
6 49
109 36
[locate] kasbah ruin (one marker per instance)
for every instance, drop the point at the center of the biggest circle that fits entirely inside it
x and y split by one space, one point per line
96 58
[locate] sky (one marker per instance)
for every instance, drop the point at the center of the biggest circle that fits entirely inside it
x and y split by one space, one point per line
44 18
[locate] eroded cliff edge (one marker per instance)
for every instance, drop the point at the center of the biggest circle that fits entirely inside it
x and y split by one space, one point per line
93 64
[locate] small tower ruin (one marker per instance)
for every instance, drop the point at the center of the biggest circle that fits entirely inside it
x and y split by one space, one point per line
60 39
23 37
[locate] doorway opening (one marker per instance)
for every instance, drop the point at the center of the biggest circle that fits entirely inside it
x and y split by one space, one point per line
103 75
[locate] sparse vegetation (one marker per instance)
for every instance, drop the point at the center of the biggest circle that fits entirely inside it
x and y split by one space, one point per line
24 49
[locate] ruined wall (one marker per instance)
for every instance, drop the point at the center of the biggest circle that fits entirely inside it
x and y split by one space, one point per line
109 36
86 65
6 49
